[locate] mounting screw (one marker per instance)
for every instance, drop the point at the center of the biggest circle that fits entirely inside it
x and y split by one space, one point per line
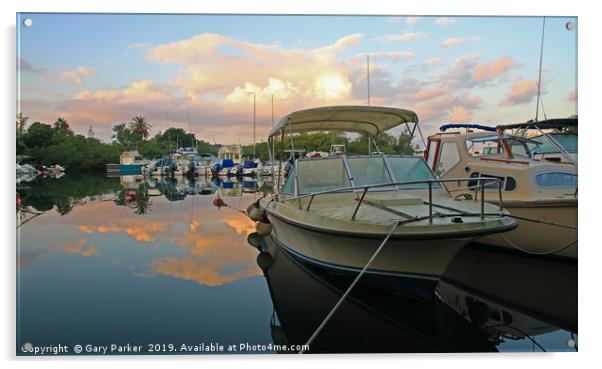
570 343
27 22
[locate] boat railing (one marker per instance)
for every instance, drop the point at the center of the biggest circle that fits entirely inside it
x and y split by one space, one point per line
480 186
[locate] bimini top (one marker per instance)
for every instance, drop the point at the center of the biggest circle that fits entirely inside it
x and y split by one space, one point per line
372 120
543 124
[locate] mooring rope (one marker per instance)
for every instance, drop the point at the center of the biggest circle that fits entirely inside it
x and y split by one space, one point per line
336 306
534 252
540 221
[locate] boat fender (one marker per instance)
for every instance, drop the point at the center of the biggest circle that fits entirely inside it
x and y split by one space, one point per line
263 229
264 260
255 240
257 214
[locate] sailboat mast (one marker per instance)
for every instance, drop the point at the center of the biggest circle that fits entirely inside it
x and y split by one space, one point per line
368 83
543 32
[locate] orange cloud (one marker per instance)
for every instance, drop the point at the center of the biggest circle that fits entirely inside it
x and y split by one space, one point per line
200 271
572 96
451 42
81 247
493 69
521 92
140 230
460 114
77 75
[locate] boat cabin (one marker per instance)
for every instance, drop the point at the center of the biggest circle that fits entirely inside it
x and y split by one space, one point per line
497 155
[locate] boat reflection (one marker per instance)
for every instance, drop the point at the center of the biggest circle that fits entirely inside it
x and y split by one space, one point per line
453 315
509 296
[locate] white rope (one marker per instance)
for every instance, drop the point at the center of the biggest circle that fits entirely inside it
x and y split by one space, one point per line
336 306
533 252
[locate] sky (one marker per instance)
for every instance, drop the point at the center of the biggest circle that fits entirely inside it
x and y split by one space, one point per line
200 72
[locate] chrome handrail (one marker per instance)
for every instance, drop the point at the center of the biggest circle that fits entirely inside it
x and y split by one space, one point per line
481 185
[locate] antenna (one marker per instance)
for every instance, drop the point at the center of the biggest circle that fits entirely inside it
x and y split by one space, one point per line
189 126
272 110
543 32
368 75
254 125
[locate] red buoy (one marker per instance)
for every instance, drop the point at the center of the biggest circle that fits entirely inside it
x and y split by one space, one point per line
18 201
132 195
219 202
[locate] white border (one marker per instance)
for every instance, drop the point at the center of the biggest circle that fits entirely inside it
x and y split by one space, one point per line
589 86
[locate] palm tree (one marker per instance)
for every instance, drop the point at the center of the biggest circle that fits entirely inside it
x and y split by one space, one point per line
140 126
21 122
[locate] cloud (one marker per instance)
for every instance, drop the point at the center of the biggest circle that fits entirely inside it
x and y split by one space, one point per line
412 20
444 21
572 96
77 75
452 42
475 39
140 230
402 37
25 66
493 69
394 55
460 114
82 247
469 71
521 92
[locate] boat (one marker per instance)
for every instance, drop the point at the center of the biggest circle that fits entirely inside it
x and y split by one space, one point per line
204 163
228 158
336 211
130 162
250 167
185 160
541 193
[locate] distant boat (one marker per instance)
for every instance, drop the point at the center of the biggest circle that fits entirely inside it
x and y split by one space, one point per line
130 162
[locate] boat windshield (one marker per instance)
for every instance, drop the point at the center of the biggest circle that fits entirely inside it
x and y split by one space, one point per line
494 146
568 141
316 175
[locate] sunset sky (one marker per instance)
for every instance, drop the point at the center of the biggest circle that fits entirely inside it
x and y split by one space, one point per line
102 69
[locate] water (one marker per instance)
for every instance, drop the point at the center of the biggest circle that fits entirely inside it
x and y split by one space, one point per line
167 270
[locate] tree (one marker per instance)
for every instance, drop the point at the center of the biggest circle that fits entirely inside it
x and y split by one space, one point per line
39 135
122 134
21 122
140 127
61 128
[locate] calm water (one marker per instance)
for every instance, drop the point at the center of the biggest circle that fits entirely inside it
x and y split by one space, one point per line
166 268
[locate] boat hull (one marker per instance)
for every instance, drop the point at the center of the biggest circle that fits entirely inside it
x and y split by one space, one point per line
541 238
418 258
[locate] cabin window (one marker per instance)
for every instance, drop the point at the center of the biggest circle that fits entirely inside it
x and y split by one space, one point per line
556 180
489 185
448 158
432 150
510 184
